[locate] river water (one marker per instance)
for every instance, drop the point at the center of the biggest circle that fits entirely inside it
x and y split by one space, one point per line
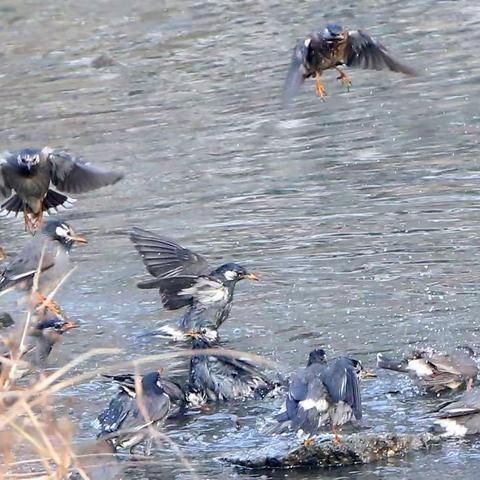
361 213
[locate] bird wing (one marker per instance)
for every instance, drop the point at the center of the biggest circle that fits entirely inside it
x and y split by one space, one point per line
456 365
342 385
25 264
156 409
297 71
5 187
164 258
69 174
467 404
364 52
114 415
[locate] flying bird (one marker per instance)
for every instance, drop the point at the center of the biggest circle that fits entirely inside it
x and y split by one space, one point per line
27 177
185 279
436 372
331 48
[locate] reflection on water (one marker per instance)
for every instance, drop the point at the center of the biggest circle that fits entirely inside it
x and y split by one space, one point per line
360 213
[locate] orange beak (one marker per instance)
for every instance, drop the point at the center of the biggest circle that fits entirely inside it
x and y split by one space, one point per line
68 326
252 276
78 239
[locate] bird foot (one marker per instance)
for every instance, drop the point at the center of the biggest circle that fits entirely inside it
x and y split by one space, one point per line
344 79
337 440
319 88
308 442
32 225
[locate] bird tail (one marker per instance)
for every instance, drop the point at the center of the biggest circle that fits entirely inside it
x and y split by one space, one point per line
55 201
11 207
391 363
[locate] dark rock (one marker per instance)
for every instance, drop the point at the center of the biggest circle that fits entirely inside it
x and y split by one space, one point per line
6 320
103 61
355 449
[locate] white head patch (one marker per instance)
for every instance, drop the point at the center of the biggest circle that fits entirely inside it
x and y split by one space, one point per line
62 231
230 275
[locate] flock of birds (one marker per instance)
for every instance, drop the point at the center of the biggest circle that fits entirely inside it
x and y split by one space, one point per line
325 394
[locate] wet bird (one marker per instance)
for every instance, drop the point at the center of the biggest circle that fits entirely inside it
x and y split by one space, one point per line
222 378
323 394
27 175
185 279
437 372
43 336
460 417
130 416
51 247
329 49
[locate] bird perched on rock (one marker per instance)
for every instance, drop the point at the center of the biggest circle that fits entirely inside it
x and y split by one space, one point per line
437 372
51 247
462 416
127 420
220 377
332 47
185 279
43 336
323 394
29 174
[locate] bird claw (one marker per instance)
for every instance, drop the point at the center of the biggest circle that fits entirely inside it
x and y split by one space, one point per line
344 79
308 442
319 88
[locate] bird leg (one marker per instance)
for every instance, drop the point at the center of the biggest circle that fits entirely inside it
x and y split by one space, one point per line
337 440
29 226
38 220
344 78
308 442
41 301
320 89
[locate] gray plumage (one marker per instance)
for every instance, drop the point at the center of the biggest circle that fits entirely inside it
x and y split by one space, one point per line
185 279
222 378
123 423
27 175
55 241
322 395
462 416
436 371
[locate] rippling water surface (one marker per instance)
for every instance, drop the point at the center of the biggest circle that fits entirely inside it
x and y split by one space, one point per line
361 214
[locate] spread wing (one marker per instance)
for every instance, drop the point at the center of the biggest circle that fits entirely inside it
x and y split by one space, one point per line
25 264
156 407
342 385
457 365
364 52
5 187
297 71
69 174
114 415
164 258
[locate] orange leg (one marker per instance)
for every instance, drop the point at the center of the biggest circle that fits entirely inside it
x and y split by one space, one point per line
321 92
29 226
308 442
38 220
344 78
337 440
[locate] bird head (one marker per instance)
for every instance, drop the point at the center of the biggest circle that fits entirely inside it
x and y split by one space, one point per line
62 232
52 328
206 335
334 32
232 272
316 356
152 382
28 159
360 370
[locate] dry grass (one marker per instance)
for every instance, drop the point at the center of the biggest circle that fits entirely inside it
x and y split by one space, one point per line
37 443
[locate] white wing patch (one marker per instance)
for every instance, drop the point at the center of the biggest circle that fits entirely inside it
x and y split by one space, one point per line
207 291
420 367
321 405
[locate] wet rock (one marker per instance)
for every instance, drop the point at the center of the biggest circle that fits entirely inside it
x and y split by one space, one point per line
355 449
6 320
103 61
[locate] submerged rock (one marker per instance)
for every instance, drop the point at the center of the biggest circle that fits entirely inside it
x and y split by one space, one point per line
355 449
6 320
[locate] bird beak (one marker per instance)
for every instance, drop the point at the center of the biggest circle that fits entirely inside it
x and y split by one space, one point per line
367 373
68 326
161 370
78 239
252 276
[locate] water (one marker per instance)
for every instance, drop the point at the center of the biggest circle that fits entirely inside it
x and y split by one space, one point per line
360 213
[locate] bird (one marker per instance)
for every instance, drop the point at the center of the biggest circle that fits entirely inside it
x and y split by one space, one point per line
460 417
185 279
45 333
322 394
50 246
27 175
132 413
216 378
329 49
436 372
